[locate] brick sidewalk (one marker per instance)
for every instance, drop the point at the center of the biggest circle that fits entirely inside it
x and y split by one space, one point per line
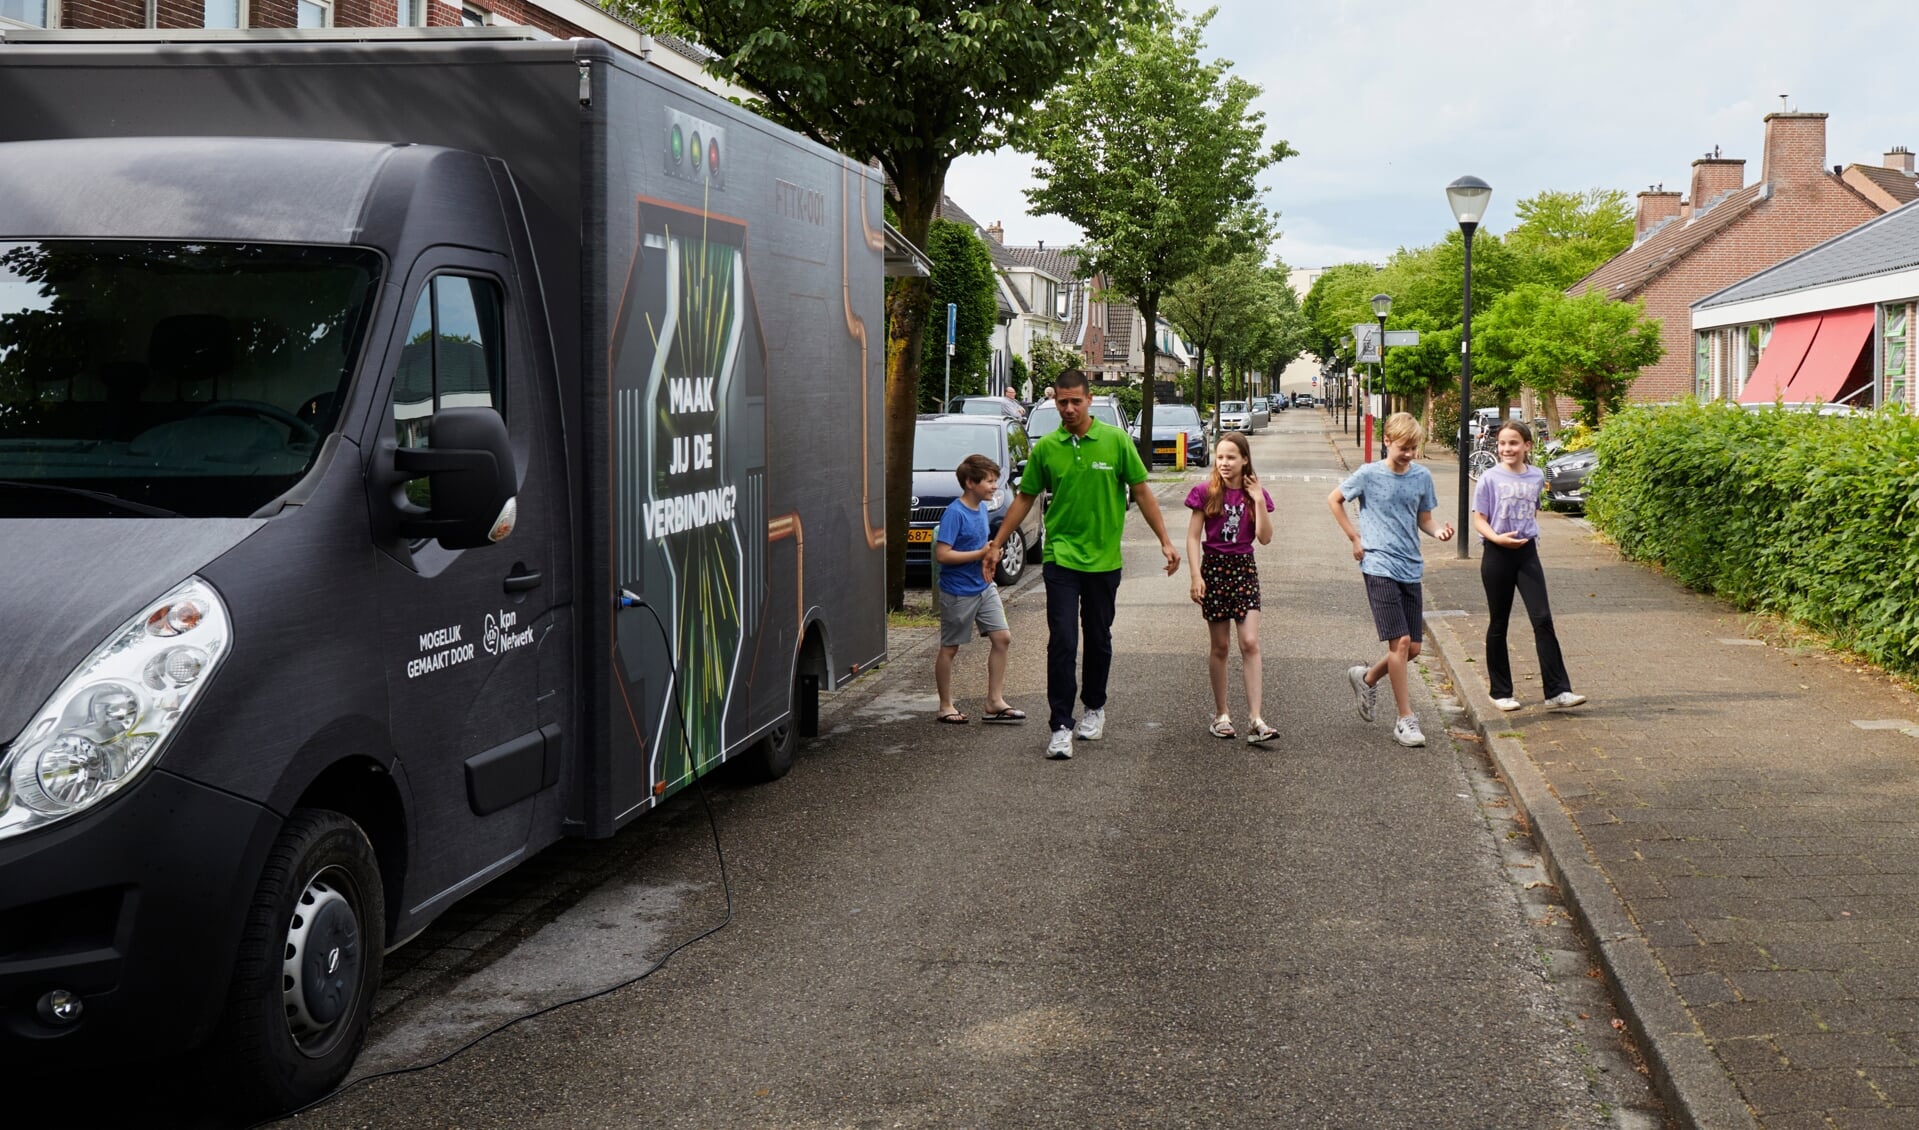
1736 820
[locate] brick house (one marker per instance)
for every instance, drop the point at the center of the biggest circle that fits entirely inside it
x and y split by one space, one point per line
1721 231
1832 325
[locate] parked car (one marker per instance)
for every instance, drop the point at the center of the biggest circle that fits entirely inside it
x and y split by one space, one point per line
1243 416
1169 421
1566 479
1106 409
1281 403
987 406
939 443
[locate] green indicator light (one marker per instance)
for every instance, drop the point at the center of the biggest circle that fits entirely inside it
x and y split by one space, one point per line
679 145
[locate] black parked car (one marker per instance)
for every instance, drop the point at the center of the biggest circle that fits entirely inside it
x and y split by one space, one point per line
1169 420
1566 479
939 443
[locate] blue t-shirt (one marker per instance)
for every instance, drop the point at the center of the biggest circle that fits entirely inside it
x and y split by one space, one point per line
1389 509
965 529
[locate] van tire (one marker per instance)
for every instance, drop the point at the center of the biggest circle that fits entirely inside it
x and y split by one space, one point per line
319 897
769 758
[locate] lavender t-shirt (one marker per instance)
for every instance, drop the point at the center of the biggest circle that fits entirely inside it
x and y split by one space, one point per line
1510 501
1233 528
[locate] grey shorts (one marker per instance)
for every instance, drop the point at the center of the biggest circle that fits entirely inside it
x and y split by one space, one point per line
1396 607
960 614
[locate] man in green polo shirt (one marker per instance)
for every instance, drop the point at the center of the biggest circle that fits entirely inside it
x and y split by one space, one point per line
1090 467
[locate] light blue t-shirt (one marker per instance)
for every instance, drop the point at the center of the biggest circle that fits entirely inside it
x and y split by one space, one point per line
1389 509
965 529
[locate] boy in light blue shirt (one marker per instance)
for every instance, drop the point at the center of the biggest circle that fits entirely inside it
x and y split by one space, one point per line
1396 501
968 597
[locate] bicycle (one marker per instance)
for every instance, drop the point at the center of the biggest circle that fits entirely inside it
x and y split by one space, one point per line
1483 457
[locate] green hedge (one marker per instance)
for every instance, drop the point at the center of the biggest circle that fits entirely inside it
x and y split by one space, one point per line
1815 518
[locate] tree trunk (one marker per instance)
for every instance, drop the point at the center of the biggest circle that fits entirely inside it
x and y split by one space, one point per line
906 309
1149 310
1549 405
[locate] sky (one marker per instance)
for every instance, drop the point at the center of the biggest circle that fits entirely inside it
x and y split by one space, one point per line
1388 102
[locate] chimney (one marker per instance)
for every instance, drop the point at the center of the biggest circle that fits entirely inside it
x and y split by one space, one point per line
997 232
1655 205
1899 157
1713 176
1795 147
1685 209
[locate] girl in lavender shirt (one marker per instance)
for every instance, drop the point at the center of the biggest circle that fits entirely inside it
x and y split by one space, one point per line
1505 513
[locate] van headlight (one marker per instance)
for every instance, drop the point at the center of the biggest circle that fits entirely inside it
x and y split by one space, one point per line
108 721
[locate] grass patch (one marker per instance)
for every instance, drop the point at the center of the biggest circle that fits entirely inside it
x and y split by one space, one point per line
913 618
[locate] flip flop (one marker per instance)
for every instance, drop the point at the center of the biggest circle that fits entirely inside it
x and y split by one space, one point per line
1010 714
956 718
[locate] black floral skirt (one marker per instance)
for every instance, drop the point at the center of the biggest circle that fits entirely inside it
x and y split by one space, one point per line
1232 586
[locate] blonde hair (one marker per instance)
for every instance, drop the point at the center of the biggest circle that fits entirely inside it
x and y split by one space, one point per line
1404 426
1216 486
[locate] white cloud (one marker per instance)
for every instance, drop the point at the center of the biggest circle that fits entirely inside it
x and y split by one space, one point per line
1388 101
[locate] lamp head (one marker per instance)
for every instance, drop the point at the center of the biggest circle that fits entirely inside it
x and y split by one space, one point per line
1382 305
1469 197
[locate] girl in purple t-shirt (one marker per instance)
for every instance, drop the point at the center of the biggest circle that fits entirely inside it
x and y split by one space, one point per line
1228 517
1505 510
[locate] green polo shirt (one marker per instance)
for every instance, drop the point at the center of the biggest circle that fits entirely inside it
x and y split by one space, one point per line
1090 477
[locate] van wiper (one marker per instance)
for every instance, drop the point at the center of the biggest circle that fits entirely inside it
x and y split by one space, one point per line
100 496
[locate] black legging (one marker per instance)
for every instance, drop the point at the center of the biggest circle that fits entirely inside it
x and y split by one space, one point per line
1502 571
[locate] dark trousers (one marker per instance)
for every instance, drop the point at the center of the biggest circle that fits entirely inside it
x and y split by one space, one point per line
1077 601
1503 571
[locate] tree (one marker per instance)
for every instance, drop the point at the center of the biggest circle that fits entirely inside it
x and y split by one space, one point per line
1200 305
1336 303
1153 154
912 88
1050 359
1591 348
1563 235
1503 356
963 275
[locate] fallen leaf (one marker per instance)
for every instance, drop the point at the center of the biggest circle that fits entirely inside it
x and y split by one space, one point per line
1618 1025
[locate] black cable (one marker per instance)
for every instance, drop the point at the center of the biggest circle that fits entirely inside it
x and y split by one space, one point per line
627 600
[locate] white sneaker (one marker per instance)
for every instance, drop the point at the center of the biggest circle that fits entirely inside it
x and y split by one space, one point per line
1092 725
1060 748
1566 698
1365 697
1406 731
1506 703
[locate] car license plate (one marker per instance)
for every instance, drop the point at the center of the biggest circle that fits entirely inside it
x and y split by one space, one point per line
1165 451
919 537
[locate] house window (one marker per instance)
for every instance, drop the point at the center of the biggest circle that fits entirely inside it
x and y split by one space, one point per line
412 13
1756 337
314 13
474 17
1702 366
1898 338
32 13
222 13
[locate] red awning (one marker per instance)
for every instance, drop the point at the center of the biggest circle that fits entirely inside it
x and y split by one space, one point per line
1791 337
1835 350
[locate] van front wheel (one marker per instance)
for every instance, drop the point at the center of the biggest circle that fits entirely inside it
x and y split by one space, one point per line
309 963
771 757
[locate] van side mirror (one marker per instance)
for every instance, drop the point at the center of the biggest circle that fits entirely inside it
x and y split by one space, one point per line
468 461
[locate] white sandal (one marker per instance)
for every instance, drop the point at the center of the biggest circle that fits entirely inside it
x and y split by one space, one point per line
1222 727
1259 732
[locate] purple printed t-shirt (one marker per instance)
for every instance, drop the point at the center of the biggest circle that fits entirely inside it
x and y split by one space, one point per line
1510 501
1232 529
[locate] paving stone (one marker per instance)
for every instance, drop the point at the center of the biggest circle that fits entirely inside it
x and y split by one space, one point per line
1873 1119
1730 1021
1777 1092
1750 1054
1698 989
1840 1049
1789 986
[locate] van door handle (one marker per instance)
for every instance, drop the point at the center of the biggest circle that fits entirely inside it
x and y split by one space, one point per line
522 582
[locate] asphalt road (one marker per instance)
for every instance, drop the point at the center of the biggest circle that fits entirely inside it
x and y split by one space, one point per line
936 926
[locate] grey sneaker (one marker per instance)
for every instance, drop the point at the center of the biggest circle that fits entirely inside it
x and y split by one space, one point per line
1092 725
1365 696
1507 704
1566 698
1406 731
1060 748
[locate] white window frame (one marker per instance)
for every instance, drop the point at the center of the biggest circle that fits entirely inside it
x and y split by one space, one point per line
326 7
242 8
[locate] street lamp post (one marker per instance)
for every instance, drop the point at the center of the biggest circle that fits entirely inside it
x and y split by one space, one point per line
1468 197
1382 305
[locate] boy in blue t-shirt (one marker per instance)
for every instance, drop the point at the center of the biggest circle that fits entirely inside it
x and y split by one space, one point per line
1396 502
968 597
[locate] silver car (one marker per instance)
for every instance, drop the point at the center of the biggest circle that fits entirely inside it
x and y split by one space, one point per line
1243 416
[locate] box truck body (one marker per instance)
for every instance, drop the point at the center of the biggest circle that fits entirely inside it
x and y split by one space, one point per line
410 453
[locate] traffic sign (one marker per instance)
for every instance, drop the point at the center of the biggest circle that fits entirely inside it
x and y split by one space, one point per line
1397 338
1368 338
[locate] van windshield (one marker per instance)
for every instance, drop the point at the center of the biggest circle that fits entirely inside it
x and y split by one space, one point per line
163 378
